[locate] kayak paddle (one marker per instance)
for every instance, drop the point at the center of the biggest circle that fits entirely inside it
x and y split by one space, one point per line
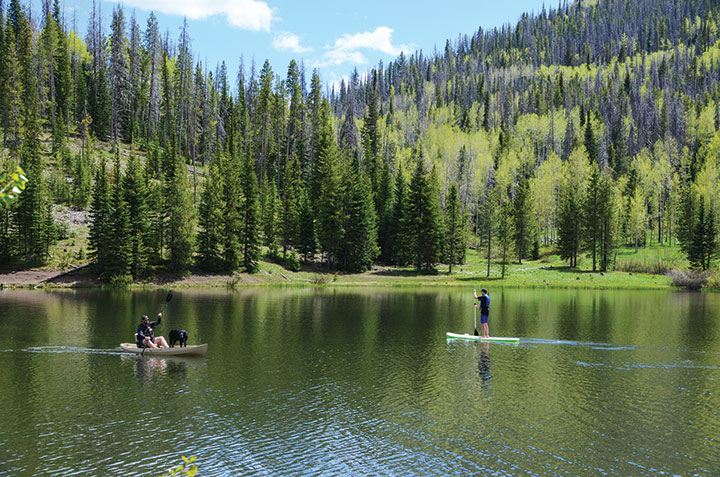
167 300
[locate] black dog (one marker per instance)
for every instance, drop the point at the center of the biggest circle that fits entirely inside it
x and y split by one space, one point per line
179 336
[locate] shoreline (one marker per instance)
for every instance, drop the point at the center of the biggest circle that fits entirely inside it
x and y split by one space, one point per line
271 275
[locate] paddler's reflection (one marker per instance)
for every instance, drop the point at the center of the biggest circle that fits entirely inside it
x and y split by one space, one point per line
147 367
484 363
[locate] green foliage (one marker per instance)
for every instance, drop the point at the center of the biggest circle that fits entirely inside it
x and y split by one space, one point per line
188 468
12 185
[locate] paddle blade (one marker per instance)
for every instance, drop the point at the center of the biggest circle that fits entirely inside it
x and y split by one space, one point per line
169 297
476 332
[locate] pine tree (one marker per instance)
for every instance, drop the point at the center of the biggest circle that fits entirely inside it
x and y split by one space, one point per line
307 240
211 219
290 212
384 201
505 232
270 201
119 70
326 188
119 253
100 234
590 141
359 245
135 197
251 217
399 231
455 230
231 201
686 218
521 216
370 140
424 220
486 219
32 205
181 219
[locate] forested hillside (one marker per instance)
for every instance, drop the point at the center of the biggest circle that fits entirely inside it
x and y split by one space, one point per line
586 127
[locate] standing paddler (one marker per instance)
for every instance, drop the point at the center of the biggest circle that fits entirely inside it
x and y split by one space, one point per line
484 300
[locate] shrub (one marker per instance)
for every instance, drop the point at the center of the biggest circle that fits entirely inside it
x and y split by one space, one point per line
320 279
688 279
655 266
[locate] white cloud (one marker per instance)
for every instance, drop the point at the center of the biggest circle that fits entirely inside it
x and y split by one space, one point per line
346 49
287 41
251 15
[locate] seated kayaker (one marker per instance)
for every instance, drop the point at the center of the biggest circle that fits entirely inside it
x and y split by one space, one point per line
145 333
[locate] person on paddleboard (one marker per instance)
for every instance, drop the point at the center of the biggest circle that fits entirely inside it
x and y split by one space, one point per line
145 333
484 300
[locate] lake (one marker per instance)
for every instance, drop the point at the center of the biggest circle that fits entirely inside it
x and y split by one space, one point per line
363 382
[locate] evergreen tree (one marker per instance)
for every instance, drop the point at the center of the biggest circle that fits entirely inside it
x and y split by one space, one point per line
505 232
399 231
359 245
181 219
704 242
384 202
232 199
424 220
82 181
370 140
211 219
455 230
270 201
31 212
590 141
687 219
135 197
119 255
486 220
326 189
307 240
251 217
597 219
569 224
101 233
521 217
290 223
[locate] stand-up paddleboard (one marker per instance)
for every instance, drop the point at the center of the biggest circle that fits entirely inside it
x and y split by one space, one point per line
458 336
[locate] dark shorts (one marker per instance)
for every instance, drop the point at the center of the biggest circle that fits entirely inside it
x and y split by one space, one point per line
484 318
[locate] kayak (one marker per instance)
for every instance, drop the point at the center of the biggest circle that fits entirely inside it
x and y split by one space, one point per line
480 338
193 350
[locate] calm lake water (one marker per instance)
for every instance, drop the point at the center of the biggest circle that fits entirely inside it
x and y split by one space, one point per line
363 382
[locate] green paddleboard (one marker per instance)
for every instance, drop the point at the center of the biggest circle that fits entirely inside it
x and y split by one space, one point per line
458 336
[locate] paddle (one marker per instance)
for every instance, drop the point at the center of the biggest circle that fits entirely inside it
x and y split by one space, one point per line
476 331
167 300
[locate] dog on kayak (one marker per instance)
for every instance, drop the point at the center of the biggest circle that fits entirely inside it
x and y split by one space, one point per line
179 336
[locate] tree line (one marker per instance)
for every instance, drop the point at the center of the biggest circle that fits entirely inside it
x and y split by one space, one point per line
579 127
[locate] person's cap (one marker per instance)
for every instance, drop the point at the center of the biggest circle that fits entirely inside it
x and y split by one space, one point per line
484 290
144 317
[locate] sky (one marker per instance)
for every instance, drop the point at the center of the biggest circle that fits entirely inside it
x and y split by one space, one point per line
333 36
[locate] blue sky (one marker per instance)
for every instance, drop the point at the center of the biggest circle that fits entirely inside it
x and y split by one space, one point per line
333 36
